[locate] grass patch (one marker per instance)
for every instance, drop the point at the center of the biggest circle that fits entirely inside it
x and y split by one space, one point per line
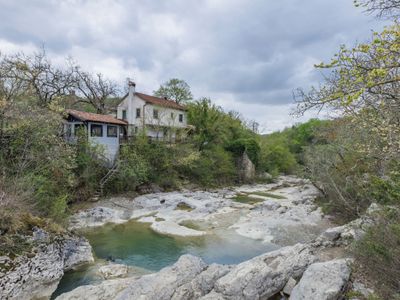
190 224
160 219
244 198
183 206
269 195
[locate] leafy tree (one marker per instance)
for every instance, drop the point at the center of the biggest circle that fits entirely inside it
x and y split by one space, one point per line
207 119
363 85
175 89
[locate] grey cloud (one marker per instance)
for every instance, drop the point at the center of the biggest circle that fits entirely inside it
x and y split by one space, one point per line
255 51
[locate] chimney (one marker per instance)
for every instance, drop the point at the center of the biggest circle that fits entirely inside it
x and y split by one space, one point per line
131 87
131 98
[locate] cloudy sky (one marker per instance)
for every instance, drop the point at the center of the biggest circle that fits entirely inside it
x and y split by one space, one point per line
246 55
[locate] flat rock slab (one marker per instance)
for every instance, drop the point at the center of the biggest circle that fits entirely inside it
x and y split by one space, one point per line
171 228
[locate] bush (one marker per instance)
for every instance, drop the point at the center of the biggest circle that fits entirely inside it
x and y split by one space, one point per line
378 254
249 145
214 167
278 159
133 171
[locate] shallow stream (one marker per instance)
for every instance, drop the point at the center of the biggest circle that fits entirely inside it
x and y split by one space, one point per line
135 244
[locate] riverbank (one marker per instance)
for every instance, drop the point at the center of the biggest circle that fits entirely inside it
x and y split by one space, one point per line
281 214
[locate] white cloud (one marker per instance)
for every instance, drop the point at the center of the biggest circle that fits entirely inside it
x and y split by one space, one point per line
247 55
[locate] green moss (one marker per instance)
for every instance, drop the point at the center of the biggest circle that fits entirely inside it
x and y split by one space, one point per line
190 224
183 206
269 195
245 198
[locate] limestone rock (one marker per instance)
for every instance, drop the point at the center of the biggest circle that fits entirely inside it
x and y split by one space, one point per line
76 251
96 216
113 271
201 284
163 284
271 205
322 281
265 275
104 291
34 277
38 275
290 284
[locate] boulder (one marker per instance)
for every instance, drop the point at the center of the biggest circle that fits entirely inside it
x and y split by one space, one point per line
289 286
76 251
113 271
163 284
106 290
37 274
323 281
202 284
265 275
35 277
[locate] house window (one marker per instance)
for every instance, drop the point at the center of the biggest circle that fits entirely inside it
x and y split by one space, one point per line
172 116
181 118
124 114
137 112
136 129
112 131
96 130
155 113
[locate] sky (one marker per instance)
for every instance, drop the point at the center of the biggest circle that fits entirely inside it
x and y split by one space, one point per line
247 56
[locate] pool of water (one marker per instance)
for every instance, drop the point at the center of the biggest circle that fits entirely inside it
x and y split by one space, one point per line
135 244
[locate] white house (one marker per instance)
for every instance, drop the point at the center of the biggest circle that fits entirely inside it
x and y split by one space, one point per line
102 130
159 118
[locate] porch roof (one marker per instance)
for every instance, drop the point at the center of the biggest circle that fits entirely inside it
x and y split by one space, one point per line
92 117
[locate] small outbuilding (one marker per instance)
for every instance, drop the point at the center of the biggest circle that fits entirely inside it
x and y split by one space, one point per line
103 130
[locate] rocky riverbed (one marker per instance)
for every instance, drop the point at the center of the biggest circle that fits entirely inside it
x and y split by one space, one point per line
311 262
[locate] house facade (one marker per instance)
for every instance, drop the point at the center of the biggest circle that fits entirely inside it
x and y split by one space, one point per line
158 118
101 130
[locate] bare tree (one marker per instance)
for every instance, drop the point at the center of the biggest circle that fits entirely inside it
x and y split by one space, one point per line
389 9
95 90
41 77
11 87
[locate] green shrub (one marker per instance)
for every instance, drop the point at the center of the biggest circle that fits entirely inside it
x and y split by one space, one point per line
378 254
214 167
133 170
278 159
248 145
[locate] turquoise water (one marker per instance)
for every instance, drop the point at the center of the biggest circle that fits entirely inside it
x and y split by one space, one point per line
135 244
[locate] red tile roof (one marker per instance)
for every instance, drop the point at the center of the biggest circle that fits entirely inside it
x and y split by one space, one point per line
91 117
160 101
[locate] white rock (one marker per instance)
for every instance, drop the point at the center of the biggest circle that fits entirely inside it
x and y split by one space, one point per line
76 251
264 275
323 281
38 276
172 228
113 271
106 290
163 284
290 284
96 216
271 204
202 284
